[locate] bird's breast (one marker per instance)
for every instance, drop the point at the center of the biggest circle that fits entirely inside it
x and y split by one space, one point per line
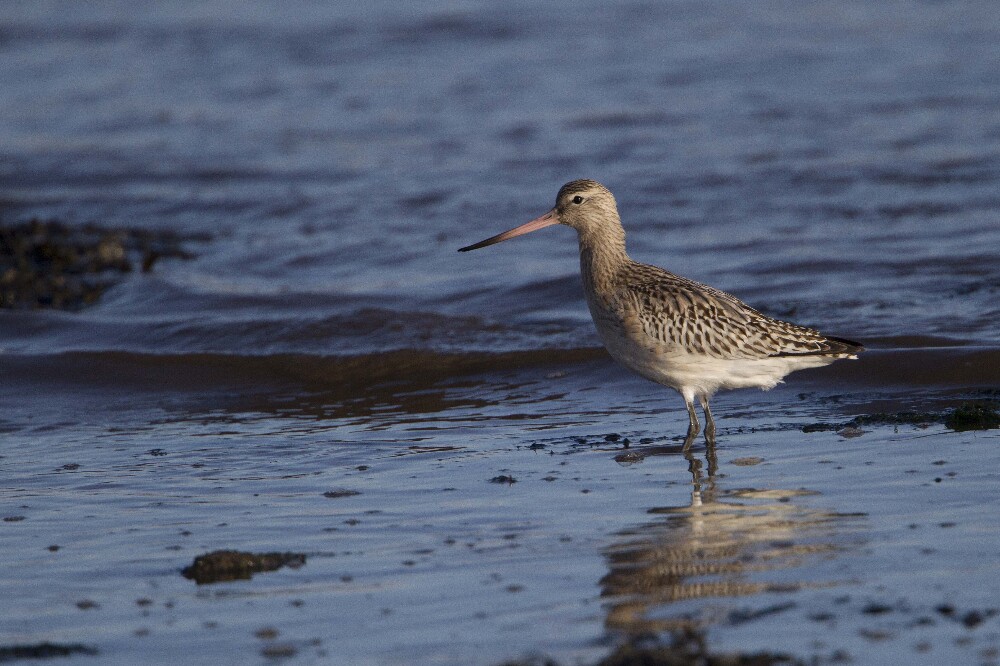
622 333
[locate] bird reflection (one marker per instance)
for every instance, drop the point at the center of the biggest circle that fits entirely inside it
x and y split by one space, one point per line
682 570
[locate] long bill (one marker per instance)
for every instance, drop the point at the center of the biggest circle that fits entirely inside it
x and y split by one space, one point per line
547 220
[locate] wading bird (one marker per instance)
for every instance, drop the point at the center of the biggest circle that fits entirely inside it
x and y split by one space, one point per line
667 328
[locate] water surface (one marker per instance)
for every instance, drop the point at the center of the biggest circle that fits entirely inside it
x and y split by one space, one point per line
836 166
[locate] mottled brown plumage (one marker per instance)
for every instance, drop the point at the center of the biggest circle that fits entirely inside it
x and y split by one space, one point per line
711 322
667 328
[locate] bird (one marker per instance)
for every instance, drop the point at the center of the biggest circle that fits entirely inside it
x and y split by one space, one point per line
669 329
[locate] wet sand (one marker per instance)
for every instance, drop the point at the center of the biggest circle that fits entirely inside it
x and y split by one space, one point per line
813 545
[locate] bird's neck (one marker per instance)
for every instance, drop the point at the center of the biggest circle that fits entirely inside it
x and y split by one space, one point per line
602 253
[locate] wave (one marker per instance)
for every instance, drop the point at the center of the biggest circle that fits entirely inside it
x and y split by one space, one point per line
413 369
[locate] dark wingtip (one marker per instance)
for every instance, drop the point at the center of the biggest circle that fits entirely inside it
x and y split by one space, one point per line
843 346
829 347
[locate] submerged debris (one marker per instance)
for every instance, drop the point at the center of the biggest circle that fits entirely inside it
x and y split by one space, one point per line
970 619
49 264
689 648
227 565
342 492
43 651
820 427
279 651
674 655
629 458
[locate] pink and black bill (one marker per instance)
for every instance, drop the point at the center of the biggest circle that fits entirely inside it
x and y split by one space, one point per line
547 220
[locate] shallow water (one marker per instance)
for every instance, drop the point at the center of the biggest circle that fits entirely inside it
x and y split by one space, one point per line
836 166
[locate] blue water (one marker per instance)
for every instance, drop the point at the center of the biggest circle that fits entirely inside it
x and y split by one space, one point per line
838 164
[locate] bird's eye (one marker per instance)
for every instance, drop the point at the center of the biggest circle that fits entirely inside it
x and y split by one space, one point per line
578 199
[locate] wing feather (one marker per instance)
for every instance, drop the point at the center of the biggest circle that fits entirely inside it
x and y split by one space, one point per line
675 310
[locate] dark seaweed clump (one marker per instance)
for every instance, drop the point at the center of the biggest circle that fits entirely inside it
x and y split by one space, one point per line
228 565
973 416
49 264
897 418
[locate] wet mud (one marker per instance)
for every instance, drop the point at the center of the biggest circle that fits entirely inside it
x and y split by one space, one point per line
979 415
685 648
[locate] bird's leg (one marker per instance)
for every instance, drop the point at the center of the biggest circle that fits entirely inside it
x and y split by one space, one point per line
710 454
711 458
694 467
709 421
693 426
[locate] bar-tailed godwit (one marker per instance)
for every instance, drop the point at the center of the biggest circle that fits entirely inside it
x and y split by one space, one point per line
669 329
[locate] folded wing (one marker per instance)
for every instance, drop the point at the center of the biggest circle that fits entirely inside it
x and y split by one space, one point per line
702 320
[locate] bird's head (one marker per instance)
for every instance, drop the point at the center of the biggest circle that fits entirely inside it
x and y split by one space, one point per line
584 205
